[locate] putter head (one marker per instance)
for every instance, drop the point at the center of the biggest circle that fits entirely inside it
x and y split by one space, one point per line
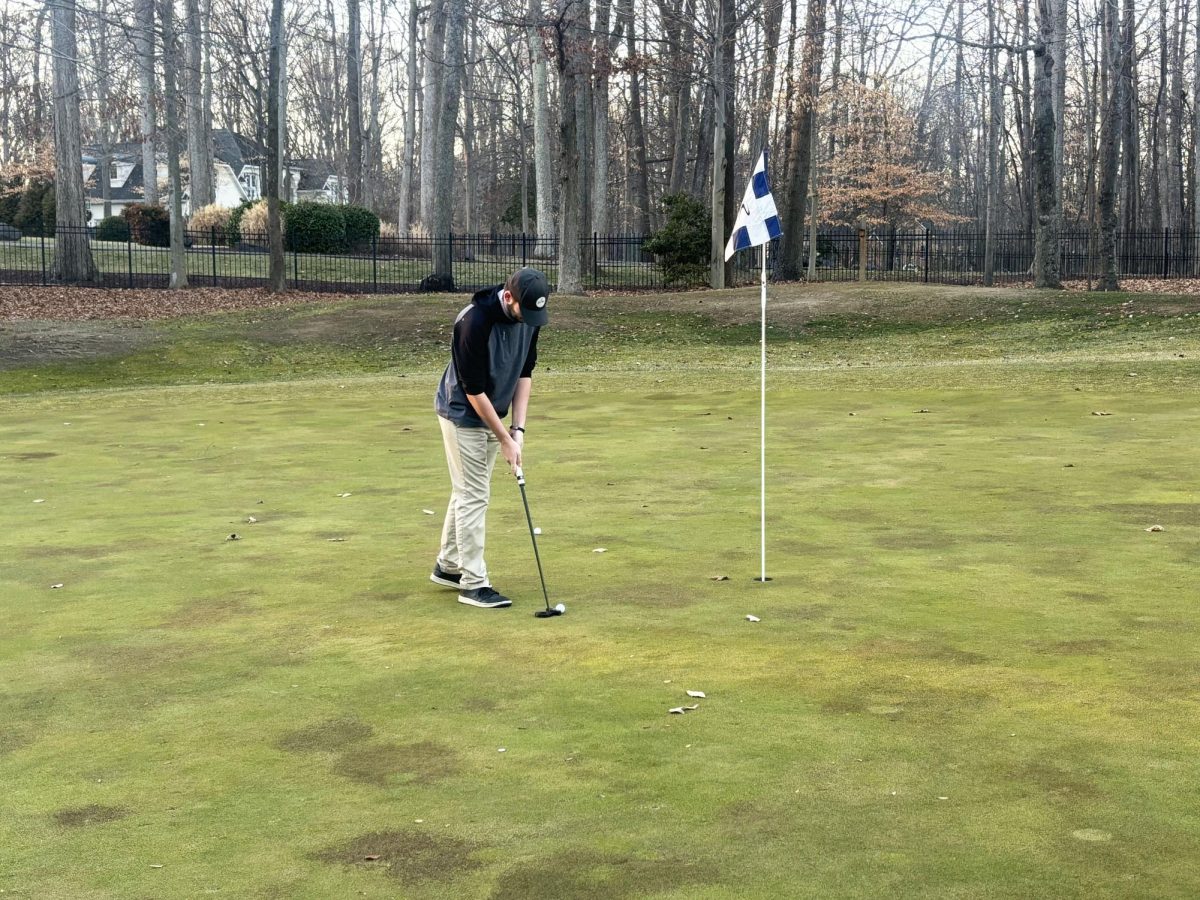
547 613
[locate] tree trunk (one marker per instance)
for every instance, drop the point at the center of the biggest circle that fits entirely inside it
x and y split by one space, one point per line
106 123
772 20
73 263
407 163
995 123
200 175
791 247
681 103
354 163
605 46
1131 165
1059 51
1196 147
1046 253
275 113
571 179
542 176
443 205
170 40
431 108
723 145
637 137
144 32
1112 65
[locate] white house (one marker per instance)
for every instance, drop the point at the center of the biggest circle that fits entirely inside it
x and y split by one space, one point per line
238 175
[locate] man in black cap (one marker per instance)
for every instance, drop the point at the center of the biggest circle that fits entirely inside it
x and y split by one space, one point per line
491 365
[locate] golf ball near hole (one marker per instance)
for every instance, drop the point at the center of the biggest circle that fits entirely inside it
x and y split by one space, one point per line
537 531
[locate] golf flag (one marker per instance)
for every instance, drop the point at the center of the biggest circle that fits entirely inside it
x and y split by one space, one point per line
758 219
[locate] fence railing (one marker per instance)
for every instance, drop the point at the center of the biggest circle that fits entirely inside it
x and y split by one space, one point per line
608 262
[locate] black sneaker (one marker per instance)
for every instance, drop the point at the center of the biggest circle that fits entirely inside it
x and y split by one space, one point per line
486 597
444 578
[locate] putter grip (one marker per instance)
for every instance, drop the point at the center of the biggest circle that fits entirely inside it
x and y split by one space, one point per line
520 475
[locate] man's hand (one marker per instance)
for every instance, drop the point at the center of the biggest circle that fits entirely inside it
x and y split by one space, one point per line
518 436
512 453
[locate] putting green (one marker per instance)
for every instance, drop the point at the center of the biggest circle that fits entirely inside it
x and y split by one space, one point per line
975 673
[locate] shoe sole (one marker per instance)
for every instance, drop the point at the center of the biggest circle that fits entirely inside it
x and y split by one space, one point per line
469 602
444 582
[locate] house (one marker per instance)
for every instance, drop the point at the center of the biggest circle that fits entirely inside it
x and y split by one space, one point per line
238 175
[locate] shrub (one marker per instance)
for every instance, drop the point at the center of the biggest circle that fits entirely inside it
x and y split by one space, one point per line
10 200
49 210
682 245
114 228
316 228
29 207
254 226
207 220
148 225
233 229
362 227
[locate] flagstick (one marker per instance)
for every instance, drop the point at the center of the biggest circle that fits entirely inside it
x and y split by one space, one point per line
763 442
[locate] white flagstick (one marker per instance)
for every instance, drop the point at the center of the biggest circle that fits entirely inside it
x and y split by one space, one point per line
763 443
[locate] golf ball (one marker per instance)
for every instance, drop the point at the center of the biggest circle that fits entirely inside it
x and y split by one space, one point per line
561 607
537 531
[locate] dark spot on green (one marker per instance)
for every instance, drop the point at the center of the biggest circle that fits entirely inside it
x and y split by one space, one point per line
587 875
405 855
805 612
27 457
136 659
207 612
1078 647
923 539
1050 779
842 704
45 551
1089 597
892 647
82 816
1147 514
12 740
329 736
384 764
479 704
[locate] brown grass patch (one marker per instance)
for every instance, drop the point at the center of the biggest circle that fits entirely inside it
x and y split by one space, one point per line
94 814
587 875
405 855
384 764
325 737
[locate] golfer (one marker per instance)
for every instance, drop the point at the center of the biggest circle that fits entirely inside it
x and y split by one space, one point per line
492 357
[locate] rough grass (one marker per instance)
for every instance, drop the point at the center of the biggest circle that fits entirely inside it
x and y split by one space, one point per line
975 674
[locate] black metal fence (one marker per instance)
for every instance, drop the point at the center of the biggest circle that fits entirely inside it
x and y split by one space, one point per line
608 262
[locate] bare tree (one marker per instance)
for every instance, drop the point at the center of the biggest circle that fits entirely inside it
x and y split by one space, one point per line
1112 65
199 143
73 261
791 248
571 25
443 205
431 103
144 29
407 161
275 112
354 110
1045 129
723 140
542 176
170 43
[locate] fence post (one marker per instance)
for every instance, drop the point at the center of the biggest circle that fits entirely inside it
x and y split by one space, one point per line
129 255
927 254
595 260
213 249
862 254
375 262
295 265
43 240
524 254
1166 269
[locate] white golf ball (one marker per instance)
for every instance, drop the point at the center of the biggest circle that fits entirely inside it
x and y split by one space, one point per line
537 531
561 607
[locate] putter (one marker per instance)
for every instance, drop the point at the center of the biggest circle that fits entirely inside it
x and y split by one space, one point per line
549 611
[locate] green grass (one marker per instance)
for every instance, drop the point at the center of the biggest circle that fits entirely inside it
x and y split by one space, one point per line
965 606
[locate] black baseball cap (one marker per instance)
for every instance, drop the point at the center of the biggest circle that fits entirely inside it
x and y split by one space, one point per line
532 291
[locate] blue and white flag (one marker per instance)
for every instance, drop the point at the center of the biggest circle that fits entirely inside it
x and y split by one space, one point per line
758 219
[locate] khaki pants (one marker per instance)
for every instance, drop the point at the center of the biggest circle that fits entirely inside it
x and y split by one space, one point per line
471 454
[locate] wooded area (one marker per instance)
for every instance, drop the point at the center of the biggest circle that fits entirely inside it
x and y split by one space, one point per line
580 116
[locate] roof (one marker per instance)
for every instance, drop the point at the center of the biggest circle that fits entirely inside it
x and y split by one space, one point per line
236 151
132 189
314 173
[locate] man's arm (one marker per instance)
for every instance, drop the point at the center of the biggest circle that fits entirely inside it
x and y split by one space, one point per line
482 404
520 404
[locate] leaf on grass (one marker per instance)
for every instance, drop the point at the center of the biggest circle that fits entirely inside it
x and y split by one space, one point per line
750 618
39 501
250 520
234 537
55 587
428 512
372 857
1156 528
335 540
1101 412
699 694
719 578
347 494
600 550
676 710
922 410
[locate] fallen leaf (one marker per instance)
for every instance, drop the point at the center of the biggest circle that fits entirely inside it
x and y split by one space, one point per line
234 537
335 540
1156 528
39 501
750 618
719 578
676 710
1101 412
922 410
600 550
501 749
55 587
699 694
428 512
250 520
344 495
372 857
